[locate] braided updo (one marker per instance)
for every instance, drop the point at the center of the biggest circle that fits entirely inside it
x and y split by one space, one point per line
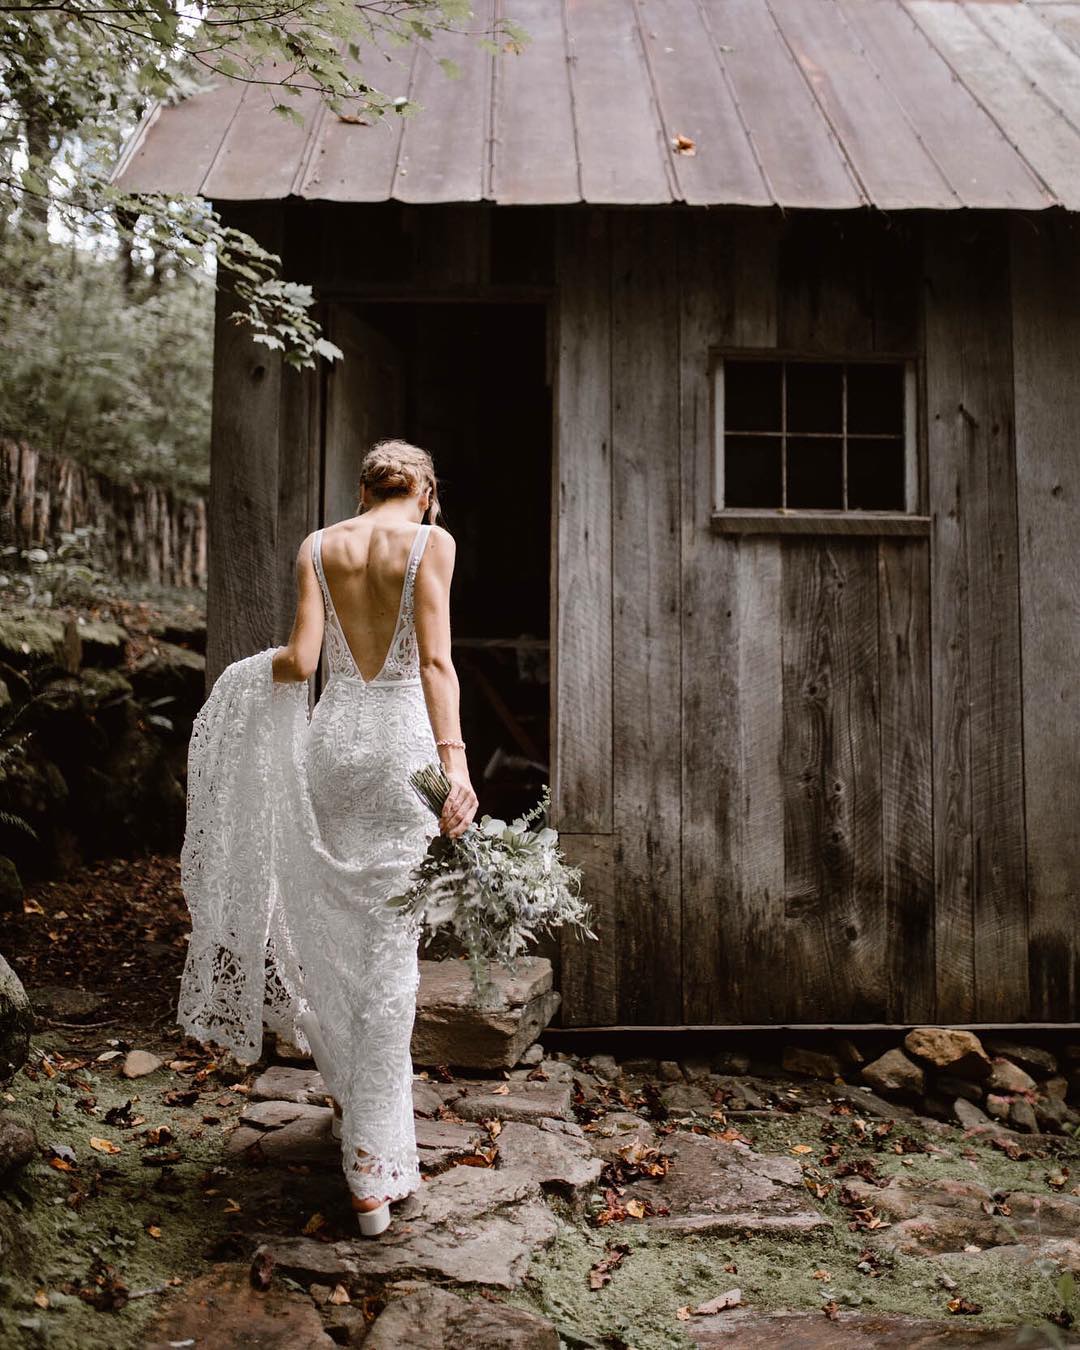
397 469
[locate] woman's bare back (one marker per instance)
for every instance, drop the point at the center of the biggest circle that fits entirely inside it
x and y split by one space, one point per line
364 564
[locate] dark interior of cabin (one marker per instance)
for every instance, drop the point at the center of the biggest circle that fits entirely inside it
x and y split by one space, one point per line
477 396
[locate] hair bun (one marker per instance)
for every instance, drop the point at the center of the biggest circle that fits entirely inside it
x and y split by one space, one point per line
394 468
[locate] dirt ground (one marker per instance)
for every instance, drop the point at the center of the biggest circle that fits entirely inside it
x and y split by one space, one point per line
568 1202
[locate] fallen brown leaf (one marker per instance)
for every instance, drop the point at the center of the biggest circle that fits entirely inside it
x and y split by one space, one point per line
104 1145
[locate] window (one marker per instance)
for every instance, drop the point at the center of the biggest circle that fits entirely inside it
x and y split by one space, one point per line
815 435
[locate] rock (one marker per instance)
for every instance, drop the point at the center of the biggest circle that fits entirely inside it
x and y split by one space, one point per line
1058 1086
683 1099
266 1115
33 639
616 1130
302 1258
756 1329
639 1068
450 1027
139 1063
953 1052
1005 1076
969 1115
554 1159
894 1072
290 1051
1051 1114
18 1143
103 644
170 672
472 1225
1022 1116
1036 1060
605 1067
16 1022
669 1072
289 1085
696 1070
11 887
525 1101
442 1143
948 1086
221 1308
427 1099
108 697
436 1319
811 1063
724 1188
997 1106
307 1139
533 1055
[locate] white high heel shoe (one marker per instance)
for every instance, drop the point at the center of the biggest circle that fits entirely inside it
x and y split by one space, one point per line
374 1221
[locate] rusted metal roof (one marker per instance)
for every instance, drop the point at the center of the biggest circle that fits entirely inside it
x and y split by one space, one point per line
796 103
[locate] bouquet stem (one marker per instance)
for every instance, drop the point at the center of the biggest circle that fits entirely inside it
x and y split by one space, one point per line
432 786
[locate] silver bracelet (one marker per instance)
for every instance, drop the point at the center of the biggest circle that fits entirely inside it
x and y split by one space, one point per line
454 745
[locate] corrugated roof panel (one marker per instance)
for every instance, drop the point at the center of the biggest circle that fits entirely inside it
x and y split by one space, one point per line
861 108
619 135
1036 129
695 101
445 149
805 103
800 154
354 162
535 150
970 148
262 150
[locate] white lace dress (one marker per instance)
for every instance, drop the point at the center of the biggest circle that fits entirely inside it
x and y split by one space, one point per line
298 832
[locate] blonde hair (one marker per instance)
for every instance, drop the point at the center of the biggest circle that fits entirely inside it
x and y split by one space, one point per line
395 468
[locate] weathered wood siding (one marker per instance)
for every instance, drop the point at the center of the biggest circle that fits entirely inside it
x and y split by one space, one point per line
847 837
1046 369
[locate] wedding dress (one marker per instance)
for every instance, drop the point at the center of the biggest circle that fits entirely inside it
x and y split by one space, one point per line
298 831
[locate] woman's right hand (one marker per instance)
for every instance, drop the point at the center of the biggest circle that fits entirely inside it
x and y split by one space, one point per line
460 805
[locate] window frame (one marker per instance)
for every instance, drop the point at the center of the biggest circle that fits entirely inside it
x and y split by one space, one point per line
807 519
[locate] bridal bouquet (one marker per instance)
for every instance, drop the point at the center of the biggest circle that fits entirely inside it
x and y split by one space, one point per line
495 889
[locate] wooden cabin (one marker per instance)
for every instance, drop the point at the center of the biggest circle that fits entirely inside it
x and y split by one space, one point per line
746 338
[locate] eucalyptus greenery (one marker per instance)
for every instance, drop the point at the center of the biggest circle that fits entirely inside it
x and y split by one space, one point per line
495 889
75 77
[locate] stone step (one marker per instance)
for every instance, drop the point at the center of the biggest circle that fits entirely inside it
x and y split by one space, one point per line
451 1028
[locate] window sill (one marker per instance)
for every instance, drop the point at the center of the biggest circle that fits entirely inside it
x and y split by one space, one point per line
736 520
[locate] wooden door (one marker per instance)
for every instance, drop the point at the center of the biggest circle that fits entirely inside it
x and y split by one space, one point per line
365 402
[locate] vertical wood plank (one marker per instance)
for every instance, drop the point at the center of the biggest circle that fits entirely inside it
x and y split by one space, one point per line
1046 326
832 768
589 970
906 777
978 771
582 622
242 590
732 803
646 655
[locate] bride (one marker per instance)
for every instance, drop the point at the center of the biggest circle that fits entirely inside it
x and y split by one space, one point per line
318 816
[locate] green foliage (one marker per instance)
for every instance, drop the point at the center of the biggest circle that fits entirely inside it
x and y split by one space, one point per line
114 375
75 78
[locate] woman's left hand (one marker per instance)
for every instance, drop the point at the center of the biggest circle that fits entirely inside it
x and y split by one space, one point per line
460 806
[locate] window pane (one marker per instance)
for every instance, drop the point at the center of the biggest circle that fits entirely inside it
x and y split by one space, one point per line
814 396
752 395
875 400
752 471
815 472
876 474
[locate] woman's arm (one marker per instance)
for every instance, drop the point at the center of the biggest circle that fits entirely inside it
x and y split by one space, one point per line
300 658
431 601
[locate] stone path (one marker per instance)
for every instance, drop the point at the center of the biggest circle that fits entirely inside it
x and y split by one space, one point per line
566 1166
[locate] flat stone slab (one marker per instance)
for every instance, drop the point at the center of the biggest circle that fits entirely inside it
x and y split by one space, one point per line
451 1027
552 1157
436 1319
713 1186
471 1225
441 1143
750 1329
282 1084
524 1101
221 1308
307 1139
266 1115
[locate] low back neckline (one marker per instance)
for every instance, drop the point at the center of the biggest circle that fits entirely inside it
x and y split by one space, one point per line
404 613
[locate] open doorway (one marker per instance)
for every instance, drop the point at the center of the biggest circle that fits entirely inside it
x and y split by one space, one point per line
470 383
